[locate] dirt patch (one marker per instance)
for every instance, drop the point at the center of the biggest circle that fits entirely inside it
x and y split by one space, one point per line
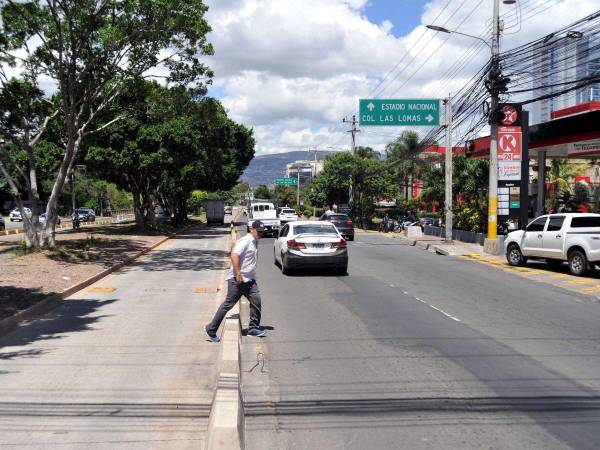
28 277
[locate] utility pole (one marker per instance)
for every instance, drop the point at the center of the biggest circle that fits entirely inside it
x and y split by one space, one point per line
298 186
492 239
448 170
352 132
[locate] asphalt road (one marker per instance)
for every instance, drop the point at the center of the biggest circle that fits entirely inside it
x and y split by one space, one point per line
420 351
123 364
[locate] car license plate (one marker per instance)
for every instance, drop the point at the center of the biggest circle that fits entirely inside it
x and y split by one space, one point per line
318 245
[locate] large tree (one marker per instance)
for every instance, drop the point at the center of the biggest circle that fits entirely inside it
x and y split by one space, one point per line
91 49
369 178
173 142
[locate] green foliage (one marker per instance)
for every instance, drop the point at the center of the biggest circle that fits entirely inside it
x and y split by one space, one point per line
284 195
369 178
175 143
469 216
403 159
93 50
262 193
469 188
241 188
196 200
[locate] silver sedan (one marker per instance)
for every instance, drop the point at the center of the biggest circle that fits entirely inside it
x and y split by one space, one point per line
310 244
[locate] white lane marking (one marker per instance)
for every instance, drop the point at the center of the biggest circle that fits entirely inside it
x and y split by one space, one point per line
437 309
445 313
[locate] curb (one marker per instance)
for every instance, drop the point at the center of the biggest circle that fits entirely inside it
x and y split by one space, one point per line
422 245
441 251
226 420
46 305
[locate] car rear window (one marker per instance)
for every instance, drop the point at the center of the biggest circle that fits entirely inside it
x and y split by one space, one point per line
314 229
585 222
339 217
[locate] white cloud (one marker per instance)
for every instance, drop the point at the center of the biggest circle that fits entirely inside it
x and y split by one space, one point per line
293 68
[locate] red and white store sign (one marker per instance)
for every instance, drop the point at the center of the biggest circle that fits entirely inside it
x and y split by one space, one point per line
510 153
510 141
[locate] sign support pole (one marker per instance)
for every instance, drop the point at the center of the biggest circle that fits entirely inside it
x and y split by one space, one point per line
448 170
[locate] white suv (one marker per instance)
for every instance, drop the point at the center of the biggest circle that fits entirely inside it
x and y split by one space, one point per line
15 214
572 237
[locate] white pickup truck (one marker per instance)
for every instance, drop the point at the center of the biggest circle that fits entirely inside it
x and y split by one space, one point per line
267 214
572 237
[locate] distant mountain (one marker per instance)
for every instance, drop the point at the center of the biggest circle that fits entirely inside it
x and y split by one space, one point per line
265 168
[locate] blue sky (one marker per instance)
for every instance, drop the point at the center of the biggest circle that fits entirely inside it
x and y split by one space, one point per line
404 14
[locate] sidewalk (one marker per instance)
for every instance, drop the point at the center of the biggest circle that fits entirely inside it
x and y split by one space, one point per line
123 363
435 244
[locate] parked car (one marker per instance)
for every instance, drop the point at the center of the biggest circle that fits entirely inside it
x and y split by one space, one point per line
342 222
15 214
555 238
430 221
43 219
84 215
287 215
2 224
310 244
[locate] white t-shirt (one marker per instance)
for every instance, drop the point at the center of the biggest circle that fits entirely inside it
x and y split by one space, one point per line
247 249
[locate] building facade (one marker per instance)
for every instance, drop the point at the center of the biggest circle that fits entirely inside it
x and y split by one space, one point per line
308 169
560 64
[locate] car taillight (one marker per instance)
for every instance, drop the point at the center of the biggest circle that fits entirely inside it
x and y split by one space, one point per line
349 222
340 244
295 244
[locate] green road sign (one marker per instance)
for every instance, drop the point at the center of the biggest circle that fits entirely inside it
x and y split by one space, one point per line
514 204
399 112
286 181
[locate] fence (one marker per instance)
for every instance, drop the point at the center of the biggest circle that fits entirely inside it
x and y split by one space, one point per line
469 237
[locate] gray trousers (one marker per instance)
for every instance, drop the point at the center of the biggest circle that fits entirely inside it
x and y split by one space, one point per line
234 293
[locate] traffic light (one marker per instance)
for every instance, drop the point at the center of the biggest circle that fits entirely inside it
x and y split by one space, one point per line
498 85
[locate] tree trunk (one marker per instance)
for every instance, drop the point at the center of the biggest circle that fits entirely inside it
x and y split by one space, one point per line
47 237
137 211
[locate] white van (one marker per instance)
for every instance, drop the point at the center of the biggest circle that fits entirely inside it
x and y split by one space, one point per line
267 214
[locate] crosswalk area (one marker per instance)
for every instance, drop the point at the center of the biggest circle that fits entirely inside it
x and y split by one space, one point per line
540 272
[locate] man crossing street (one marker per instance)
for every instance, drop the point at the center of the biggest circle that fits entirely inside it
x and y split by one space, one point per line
241 280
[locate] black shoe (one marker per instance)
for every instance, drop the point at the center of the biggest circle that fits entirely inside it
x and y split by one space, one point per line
256 332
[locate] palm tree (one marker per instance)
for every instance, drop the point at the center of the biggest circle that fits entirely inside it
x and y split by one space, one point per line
403 155
560 174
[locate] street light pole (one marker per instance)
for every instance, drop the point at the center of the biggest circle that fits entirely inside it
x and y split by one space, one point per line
448 170
494 79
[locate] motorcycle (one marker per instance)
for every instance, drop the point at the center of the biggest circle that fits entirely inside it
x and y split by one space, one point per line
76 223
